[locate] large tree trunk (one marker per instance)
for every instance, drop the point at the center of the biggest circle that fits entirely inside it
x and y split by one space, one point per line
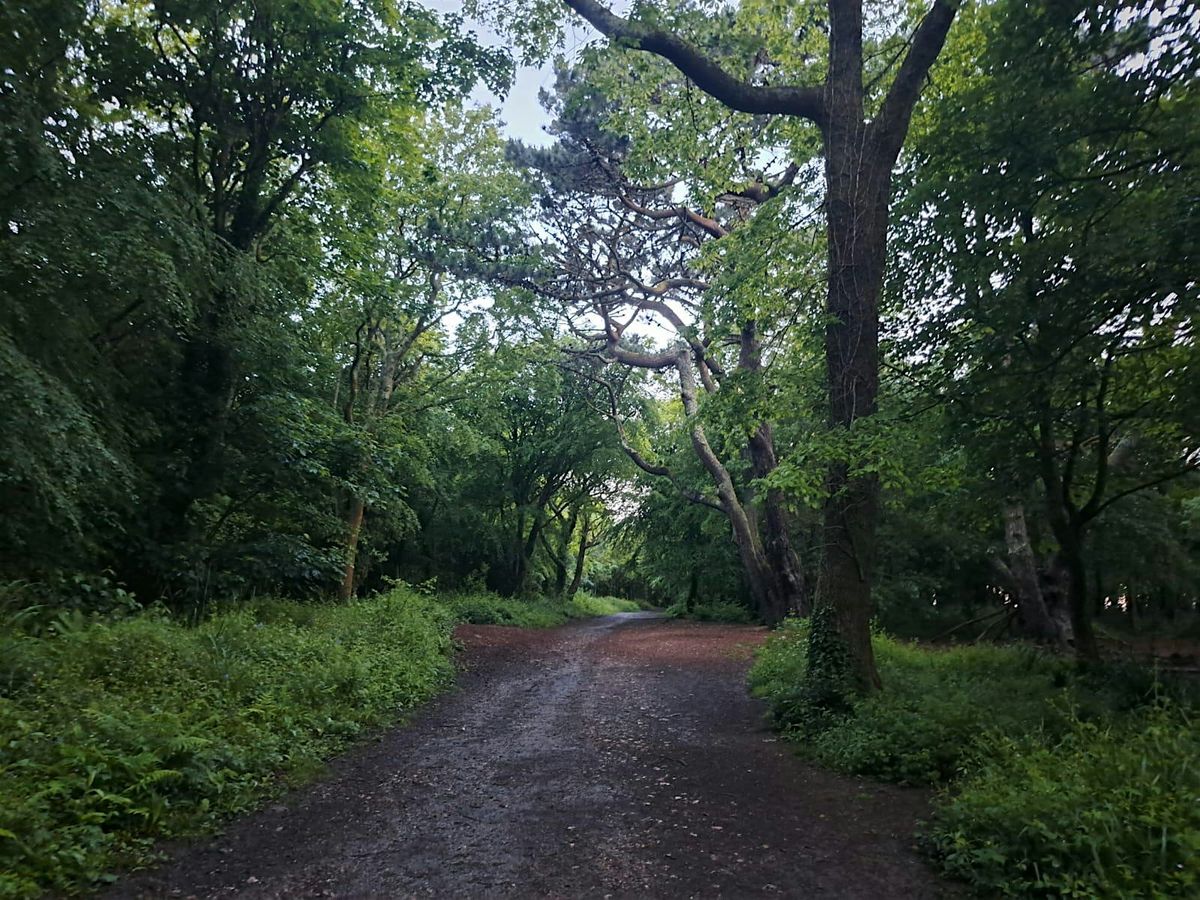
858 163
1038 615
526 546
783 563
858 184
770 601
1068 524
1078 596
564 548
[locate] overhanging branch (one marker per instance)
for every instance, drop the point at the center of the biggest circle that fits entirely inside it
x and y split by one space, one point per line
805 101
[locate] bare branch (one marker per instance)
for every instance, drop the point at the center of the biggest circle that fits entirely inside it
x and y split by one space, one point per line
636 457
712 226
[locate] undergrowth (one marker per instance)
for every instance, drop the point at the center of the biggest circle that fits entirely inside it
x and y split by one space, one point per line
115 734
1056 780
1105 809
121 729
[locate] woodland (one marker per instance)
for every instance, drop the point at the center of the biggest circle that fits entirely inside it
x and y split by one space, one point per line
871 321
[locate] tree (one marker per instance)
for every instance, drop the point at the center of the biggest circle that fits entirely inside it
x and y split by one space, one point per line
255 98
612 255
551 445
400 269
863 121
165 169
1055 251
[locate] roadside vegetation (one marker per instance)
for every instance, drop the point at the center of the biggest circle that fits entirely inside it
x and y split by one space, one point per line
1054 780
492 609
712 611
124 729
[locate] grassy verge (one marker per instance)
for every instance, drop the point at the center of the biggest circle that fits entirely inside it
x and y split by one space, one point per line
1054 781
115 734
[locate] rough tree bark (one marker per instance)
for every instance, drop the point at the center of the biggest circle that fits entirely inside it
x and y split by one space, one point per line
859 156
564 547
581 556
354 520
783 562
1038 615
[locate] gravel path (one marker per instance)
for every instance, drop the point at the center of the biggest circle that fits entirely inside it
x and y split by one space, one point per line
619 757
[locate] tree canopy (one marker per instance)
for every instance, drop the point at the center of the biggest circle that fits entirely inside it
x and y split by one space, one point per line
805 307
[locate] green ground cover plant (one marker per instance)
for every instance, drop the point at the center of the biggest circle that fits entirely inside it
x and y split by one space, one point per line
1106 809
116 733
1055 780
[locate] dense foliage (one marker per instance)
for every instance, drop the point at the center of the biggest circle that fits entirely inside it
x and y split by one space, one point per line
264 340
118 733
1107 810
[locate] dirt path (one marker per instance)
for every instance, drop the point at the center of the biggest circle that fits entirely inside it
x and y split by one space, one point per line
618 757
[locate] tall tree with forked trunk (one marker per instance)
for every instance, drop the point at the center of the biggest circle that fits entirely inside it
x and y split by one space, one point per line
862 109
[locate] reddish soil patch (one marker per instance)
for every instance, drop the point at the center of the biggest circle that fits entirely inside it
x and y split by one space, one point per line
686 644
486 642
614 758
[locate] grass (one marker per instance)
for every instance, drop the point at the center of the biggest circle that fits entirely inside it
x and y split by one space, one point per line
1104 809
1055 780
119 733
115 734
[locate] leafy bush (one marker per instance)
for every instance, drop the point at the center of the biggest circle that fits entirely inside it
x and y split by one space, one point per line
1105 811
582 605
935 706
713 611
113 734
484 608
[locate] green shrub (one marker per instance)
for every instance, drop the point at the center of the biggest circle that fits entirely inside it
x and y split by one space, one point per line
935 705
1105 811
713 611
113 734
583 605
482 608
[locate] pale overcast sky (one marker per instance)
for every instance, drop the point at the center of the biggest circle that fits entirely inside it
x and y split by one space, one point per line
523 116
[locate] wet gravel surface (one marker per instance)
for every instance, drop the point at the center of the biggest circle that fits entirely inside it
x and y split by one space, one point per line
619 757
